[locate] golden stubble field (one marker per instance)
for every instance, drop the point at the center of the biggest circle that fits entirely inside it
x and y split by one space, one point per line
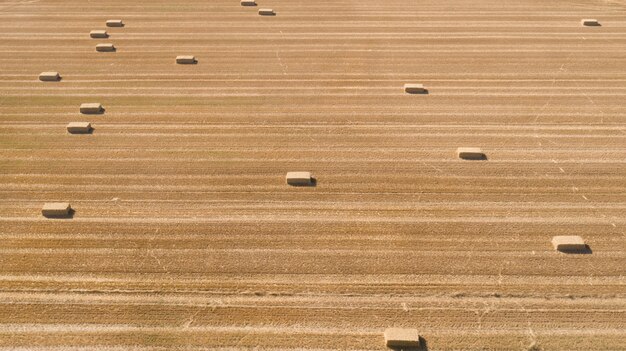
185 235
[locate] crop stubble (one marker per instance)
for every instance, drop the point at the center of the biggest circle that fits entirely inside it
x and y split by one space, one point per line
185 235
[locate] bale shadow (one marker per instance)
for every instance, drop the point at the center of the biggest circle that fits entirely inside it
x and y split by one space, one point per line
101 112
483 157
90 131
423 346
586 251
424 92
312 185
70 215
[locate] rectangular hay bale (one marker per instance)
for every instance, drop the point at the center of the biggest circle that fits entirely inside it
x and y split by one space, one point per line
115 23
105 47
186 59
56 209
266 12
248 3
590 22
414 88
49 76
98 33
470 153
91 108
299 178
402 337
79 127
569 243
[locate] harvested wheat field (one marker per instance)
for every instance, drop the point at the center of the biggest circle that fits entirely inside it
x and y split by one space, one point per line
185 235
